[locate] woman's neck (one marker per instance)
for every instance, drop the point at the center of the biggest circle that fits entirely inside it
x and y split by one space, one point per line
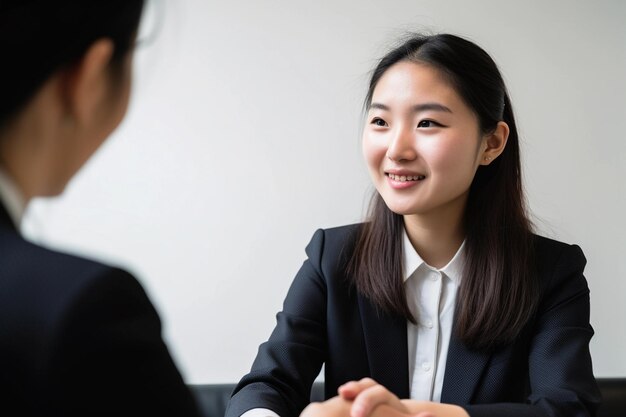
437 236
31 146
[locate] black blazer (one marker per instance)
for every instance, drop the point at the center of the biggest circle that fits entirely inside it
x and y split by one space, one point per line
546 372
78 338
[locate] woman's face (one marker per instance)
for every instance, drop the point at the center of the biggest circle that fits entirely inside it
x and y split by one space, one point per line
421 142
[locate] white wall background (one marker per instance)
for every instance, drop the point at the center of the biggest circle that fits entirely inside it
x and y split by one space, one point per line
243 138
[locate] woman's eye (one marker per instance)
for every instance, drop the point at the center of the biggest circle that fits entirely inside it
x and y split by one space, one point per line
428 123
379 122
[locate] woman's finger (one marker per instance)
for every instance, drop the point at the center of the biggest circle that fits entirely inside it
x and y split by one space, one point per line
350 390
370 398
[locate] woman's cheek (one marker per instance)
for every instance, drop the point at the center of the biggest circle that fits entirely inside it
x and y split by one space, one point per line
373 154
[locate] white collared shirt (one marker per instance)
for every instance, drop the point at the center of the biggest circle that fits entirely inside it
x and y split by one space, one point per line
431 296
12 198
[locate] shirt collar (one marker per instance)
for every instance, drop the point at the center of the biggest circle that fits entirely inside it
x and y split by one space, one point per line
11 197
412 261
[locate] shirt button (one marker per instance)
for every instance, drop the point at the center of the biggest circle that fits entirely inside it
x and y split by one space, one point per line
429 324
434 276
426 366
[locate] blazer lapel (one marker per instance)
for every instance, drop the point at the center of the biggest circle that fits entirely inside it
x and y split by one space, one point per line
386 345
464 369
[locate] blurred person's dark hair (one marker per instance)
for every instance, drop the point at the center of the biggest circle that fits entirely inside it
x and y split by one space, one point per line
40 37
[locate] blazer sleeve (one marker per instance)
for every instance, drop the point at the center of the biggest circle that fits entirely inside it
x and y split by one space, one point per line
560 376
109 359
287 364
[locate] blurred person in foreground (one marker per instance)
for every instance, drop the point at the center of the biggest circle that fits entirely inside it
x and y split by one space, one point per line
76 337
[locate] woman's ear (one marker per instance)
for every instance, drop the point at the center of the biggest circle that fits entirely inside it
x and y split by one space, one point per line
86 83
494 143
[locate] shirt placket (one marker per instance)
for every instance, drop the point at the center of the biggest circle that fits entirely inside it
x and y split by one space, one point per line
427 335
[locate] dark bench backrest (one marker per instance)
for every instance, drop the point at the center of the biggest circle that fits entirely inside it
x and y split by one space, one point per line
212 398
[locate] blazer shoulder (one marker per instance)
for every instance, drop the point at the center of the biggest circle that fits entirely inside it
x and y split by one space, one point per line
552 255
38 285
335 237
560 268
546 243
21 256
330 249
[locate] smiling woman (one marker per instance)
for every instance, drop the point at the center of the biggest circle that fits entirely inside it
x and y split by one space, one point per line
420 125
444 296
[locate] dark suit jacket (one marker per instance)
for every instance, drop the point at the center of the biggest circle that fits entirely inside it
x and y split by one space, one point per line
546 372
78 338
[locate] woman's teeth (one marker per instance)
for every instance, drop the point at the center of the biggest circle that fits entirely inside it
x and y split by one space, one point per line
403 178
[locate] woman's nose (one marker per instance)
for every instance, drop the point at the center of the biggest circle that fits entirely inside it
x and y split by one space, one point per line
402 145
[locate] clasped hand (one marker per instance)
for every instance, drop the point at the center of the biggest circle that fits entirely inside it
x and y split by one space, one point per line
367 398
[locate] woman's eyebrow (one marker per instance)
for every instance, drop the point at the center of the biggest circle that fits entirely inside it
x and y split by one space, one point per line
430 107
378 106
417 108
